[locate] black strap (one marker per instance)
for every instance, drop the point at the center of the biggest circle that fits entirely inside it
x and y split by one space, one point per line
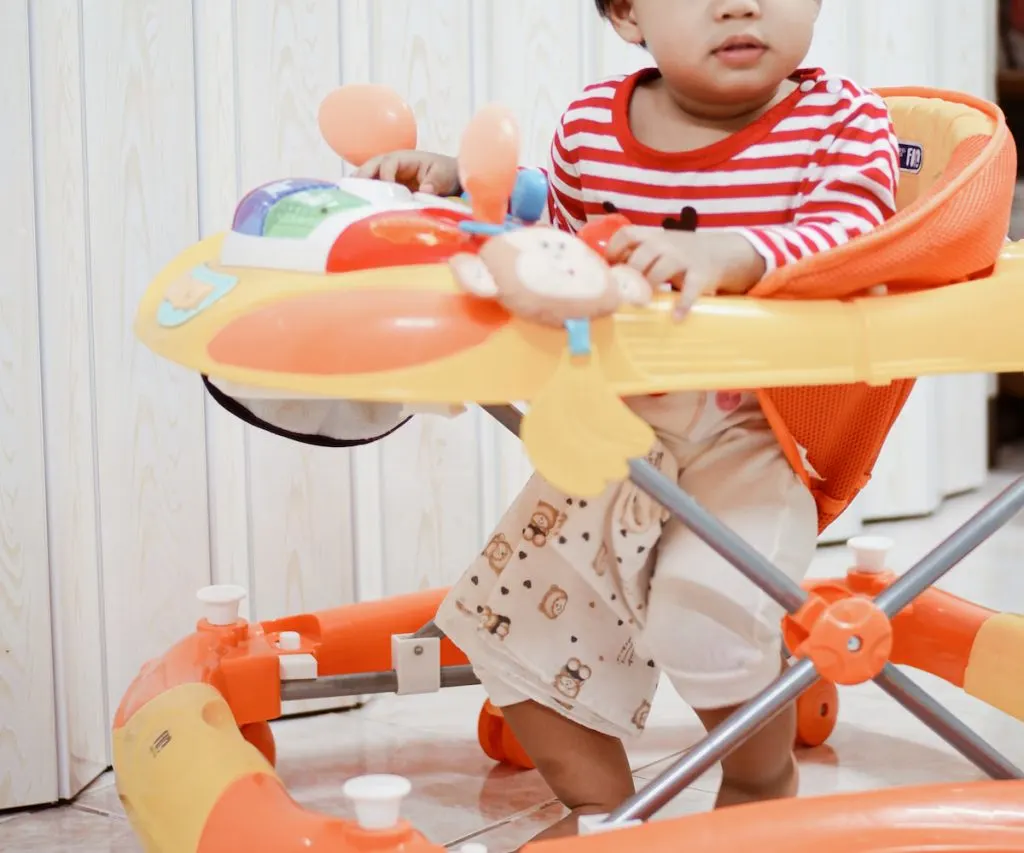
233 407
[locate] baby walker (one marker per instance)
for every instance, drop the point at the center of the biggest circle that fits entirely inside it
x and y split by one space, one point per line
357 290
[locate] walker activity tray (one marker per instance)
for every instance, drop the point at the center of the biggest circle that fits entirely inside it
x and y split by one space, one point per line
342 289
362 290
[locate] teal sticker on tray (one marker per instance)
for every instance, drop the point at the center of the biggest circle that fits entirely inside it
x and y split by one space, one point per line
193 293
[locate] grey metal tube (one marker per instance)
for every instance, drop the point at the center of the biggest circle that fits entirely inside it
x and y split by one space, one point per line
718 536
430 631
362 684
508 416
940 561
757 713
941 721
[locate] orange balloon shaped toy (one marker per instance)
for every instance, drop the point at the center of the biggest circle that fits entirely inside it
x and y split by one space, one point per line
361 121
489 162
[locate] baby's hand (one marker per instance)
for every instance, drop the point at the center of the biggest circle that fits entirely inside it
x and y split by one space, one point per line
694 263
420 171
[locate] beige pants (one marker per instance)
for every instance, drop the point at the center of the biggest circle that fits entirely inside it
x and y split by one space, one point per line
579 605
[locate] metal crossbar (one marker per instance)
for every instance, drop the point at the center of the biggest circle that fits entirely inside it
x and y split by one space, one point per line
760 710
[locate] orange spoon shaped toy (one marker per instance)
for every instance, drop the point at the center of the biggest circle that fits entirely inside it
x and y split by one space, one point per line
361 121
489 162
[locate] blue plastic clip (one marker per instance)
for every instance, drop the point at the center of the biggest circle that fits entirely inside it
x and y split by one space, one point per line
579 336
483 229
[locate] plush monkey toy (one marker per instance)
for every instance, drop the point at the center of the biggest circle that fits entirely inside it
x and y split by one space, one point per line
549 277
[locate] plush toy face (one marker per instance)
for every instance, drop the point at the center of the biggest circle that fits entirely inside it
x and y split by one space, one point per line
548 276
554 264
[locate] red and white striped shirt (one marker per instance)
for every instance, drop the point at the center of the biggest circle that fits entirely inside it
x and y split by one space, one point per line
814 171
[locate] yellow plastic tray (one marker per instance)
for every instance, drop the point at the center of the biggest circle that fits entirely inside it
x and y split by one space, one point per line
724 343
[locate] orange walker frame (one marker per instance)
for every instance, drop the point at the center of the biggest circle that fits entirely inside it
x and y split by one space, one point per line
194 752
231 676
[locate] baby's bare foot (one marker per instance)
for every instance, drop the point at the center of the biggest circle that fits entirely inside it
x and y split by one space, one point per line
569 825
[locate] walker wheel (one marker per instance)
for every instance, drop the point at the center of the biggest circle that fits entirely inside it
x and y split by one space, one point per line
261 737
489 727
497 740
816 713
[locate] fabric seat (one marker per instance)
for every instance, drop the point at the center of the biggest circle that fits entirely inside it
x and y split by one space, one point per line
954 213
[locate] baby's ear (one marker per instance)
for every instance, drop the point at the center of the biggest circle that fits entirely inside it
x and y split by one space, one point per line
472 275
632 286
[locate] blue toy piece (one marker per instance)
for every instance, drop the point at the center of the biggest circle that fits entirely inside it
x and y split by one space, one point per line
530 196
579 336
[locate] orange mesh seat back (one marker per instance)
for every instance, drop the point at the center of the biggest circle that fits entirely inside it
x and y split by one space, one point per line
952 220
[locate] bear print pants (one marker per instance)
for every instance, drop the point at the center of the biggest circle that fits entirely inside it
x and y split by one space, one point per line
579 605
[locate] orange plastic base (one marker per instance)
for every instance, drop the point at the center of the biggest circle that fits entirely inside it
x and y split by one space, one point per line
222 681
935 634
982 817
261 737
194 752
816 714
498 741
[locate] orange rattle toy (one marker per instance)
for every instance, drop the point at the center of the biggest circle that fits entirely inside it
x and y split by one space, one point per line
360 122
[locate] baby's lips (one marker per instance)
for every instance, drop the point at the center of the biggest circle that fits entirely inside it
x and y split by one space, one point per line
599 232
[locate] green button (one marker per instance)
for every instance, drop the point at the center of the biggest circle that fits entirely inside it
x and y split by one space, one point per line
298 215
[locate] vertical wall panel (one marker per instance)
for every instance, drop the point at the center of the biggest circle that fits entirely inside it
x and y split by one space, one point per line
300 529
141 184
896 43
837 39
966 40
534 67
356 39
66 296
28 753
217 149
430 489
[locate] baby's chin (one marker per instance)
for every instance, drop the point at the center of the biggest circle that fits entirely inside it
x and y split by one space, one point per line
722 89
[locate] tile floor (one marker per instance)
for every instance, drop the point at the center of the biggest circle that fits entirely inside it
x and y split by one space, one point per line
458 794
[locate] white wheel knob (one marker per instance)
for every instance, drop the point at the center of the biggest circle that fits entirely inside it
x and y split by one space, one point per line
220 603
870 553
377 800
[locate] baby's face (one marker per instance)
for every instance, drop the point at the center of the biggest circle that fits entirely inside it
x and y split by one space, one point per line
723 51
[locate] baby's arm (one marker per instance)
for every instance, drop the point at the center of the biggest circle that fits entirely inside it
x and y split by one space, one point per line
850 191
420 171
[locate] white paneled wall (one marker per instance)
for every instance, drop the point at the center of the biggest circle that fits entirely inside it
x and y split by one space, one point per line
28 757
131 128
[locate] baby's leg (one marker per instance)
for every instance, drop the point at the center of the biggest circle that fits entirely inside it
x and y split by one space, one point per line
588 771
550 650
763 768
711 630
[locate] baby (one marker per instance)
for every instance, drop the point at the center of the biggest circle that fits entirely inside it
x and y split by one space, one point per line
575 607
774 162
